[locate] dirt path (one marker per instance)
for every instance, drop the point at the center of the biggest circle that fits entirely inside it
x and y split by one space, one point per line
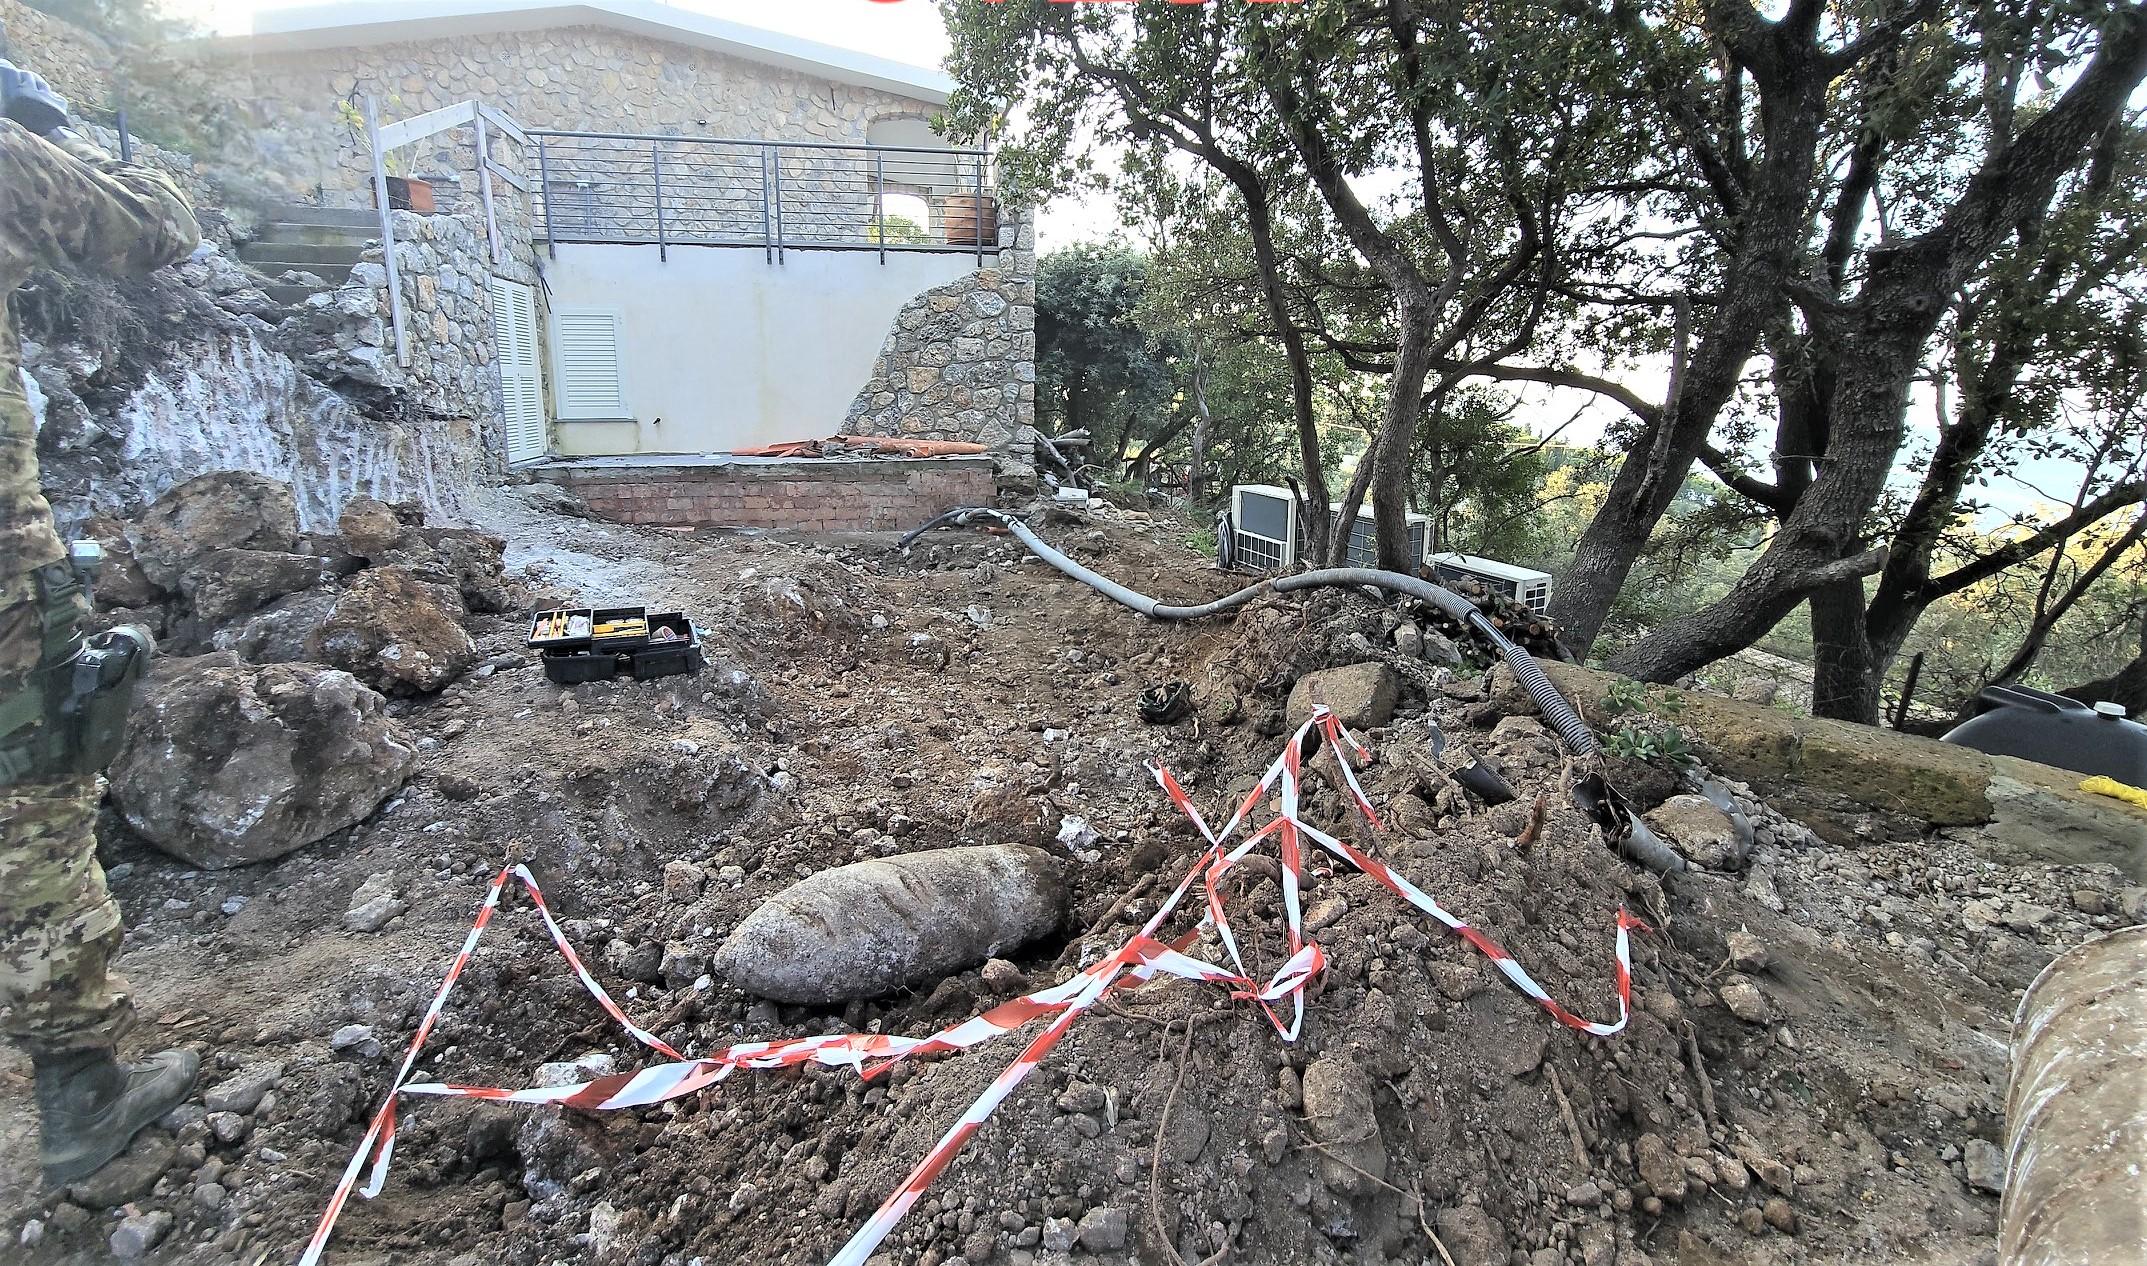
858 704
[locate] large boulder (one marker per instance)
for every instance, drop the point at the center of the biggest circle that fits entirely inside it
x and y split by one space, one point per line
1361 695
396 632
225 584
228 763
371 528
870 928
281 632
225 509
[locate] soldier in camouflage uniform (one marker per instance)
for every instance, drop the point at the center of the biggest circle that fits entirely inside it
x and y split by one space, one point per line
63 203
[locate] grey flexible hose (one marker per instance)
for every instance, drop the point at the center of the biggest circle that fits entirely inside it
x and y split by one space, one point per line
1578 739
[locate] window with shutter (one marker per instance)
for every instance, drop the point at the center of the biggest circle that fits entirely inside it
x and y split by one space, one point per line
591 385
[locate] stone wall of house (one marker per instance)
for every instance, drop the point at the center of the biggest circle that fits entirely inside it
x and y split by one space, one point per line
960 360
443 266
583 78
71 59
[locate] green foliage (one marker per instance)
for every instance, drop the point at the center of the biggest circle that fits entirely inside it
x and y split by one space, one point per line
1642 728
897 230
172 97
1096 368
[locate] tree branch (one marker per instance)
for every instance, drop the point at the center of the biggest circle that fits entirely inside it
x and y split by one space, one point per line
2027 547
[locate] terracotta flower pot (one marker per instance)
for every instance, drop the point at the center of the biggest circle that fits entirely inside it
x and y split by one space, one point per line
410 193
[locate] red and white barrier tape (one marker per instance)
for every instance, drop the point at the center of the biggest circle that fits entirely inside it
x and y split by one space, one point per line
1136 962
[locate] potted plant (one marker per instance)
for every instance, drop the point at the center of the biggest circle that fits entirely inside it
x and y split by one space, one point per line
405 192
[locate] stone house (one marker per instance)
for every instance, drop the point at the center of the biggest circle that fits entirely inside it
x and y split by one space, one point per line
683 236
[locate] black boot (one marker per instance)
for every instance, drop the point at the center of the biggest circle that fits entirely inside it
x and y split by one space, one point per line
90 1106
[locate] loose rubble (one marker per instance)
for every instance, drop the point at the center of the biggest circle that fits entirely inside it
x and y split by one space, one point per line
1812 1073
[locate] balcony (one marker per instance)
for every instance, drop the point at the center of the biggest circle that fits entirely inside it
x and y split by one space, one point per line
777 196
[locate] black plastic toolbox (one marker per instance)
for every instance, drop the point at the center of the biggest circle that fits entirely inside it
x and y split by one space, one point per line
575 667
663 656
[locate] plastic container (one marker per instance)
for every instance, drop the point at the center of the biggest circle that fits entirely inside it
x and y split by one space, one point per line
2039 726
619 628
664 657
556 629
576 667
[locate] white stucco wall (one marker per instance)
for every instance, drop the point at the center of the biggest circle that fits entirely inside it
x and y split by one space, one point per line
721 349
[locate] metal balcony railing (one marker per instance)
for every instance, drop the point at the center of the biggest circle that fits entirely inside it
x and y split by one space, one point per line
776 195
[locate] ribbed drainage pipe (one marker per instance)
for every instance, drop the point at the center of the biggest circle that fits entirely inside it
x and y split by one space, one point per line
2076 1114
1562 717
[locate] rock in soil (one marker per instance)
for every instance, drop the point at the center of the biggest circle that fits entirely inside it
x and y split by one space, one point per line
1341 1115
140 1233
397 633
228 763
226 509
1701 833
128 1176
1984 1165
866 929
1360 695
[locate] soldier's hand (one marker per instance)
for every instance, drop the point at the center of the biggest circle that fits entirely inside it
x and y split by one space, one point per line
26 98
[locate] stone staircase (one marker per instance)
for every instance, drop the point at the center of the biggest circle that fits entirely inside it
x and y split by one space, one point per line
325 241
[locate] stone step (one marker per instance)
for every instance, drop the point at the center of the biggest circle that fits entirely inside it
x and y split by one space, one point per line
288 295
340 217
332 275
260 254
355 237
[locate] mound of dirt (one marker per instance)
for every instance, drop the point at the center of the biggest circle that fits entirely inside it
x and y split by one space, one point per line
1814 1102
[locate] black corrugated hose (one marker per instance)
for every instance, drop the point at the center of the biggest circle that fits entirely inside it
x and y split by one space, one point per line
1561 715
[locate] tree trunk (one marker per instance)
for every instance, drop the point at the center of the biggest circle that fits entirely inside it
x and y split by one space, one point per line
2127 686
1903 297
1196 481
1845 680
1770 238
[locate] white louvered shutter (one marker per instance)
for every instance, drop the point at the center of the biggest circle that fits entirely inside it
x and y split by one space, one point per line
591 387
521 377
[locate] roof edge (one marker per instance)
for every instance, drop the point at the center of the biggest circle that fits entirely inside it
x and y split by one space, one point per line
353 23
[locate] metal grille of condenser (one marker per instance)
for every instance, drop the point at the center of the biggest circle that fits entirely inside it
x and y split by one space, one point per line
1364 540
1537 596
1261 519
1496 584
1259 553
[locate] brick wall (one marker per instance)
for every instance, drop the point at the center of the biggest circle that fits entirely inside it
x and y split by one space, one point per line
815 496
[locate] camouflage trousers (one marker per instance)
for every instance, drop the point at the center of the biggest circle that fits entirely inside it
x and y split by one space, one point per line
59 927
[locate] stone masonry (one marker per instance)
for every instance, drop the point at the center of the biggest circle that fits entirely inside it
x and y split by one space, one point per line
828 495
71 59
960 362
583 78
